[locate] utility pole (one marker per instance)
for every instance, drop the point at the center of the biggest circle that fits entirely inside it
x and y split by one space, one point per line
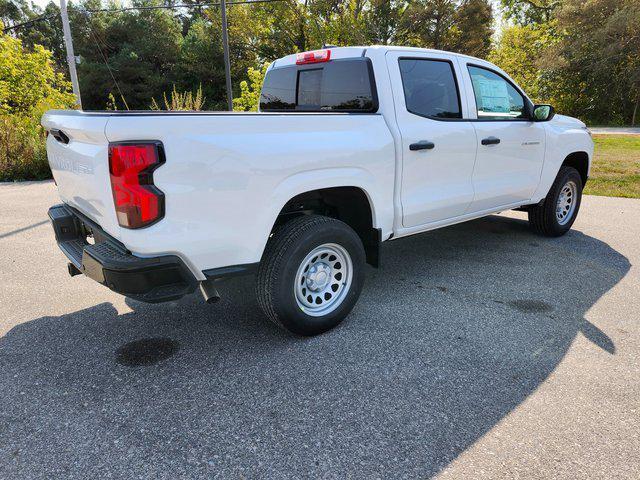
71 59
225 47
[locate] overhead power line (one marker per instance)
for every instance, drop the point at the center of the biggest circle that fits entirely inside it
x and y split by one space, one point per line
106 62
182 5
128 9
69 45
29 22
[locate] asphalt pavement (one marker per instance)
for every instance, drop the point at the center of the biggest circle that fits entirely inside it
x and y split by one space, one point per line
477 351
615 130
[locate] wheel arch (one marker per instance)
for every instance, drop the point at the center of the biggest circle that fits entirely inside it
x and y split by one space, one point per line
350 204
576 155
580 161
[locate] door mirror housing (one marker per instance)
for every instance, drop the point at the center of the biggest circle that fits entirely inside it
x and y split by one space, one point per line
542 113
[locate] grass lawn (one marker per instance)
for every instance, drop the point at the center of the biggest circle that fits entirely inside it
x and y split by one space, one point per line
616 166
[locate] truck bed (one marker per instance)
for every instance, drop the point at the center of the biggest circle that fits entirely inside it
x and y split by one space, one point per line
221 169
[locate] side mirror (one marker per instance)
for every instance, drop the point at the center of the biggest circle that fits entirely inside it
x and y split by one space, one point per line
543 113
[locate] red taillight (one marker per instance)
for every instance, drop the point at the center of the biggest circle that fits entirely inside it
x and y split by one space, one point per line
138 202
316 56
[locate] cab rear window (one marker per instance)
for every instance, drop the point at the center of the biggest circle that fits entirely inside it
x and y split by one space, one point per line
344 85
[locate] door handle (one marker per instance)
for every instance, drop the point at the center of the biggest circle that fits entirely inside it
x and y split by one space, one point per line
59 135
422 145
490 141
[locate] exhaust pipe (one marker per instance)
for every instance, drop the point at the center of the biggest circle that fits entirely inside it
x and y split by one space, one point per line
73 270
209 291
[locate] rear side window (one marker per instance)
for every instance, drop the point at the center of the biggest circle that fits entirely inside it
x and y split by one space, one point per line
430 88
345 85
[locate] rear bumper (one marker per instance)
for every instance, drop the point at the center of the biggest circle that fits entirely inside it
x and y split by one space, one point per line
107 261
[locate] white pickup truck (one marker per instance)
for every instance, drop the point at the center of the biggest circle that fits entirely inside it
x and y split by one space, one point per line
352 147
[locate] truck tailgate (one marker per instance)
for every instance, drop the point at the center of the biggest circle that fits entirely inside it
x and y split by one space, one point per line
77 149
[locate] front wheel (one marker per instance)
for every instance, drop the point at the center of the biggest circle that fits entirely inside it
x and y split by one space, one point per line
311 274
559 209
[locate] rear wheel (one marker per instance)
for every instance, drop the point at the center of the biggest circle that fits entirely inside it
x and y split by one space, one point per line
311 274
559 209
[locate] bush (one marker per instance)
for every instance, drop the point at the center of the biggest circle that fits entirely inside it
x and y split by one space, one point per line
185 101
23 155
29 86
249 98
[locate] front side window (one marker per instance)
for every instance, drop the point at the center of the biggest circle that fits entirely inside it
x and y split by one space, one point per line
344 85
496 98
430 88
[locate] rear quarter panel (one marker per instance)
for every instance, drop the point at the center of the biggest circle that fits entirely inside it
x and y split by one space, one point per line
227 176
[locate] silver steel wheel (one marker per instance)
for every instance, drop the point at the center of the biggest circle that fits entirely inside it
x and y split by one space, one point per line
323 279
566 203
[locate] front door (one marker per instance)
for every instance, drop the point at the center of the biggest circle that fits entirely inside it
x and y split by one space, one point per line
510 145
438 148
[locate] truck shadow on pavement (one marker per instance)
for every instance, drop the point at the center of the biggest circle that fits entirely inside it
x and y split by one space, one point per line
454 331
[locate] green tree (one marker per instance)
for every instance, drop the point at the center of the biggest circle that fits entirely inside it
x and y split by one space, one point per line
201 62
473 19
519 51
429 23
47 33
28 81
131 55
381 20
13 11
458 25
598 60
527 12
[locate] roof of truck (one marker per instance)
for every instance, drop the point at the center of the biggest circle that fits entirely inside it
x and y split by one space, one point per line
357 51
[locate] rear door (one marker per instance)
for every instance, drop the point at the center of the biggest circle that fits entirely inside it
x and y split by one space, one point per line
438 146
510 145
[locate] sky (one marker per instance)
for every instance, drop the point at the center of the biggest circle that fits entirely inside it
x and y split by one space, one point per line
41 3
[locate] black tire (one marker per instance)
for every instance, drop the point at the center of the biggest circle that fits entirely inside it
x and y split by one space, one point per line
542 217
289 246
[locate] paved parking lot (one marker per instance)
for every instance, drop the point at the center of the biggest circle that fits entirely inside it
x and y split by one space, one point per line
477 351
615 130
